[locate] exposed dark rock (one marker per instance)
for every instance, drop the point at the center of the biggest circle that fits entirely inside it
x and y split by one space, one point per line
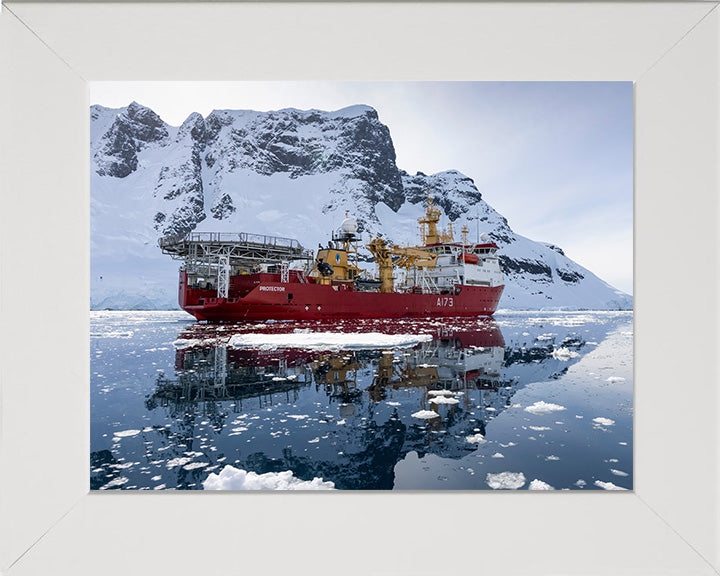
569 276
131 131
518 266
555 248
223 207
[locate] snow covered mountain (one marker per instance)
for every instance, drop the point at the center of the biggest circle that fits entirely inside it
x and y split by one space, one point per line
289 173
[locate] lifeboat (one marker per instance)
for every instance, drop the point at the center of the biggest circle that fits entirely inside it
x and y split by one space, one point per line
469 258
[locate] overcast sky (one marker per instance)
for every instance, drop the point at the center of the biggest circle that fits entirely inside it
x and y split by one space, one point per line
554 158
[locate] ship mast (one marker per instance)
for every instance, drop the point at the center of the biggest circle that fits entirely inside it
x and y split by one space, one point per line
431 219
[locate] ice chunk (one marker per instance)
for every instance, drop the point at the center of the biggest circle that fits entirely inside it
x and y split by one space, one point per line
608 485
112 334
326 340
539 485
564 354
425 414
181 343
505 480
475 439
115 482
231 478
604 421
497 455
613 379
618 472
444 400
126 433
177 462
543 408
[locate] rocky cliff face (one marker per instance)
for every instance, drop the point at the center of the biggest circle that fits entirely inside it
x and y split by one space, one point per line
289 173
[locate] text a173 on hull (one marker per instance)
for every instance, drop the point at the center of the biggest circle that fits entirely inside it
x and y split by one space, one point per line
227 277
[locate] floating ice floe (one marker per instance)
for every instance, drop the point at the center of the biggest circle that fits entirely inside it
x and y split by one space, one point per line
618 472
444 400
426 414
497 455
539 428
126 433
182 343
117 334
115 483
440 392
505 480
564 354
326 340
543 408
539 485
393 403
475 439
580 483
231 478
614 379
603 421
608 485
177 462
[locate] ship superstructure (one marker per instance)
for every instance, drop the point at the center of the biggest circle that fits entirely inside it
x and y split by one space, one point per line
236 277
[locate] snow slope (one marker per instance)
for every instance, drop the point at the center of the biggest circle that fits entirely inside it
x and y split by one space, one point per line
288 173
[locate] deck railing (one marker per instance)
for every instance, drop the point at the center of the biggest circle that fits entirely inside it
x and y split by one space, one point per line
229 238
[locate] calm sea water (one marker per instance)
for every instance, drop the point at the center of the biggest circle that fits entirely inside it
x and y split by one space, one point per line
524 400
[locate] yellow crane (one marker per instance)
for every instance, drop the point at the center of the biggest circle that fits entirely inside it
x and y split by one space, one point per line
403 257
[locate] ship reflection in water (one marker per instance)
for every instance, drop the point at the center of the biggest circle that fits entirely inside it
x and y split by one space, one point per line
421 404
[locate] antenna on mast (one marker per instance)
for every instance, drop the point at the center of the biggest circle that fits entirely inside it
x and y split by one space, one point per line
477 224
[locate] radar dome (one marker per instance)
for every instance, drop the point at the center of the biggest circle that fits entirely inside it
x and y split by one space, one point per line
349 226
484 237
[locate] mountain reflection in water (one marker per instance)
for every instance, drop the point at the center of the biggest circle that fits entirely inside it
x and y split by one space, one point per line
345 415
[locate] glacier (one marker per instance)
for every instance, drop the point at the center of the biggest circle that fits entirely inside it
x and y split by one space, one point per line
292 173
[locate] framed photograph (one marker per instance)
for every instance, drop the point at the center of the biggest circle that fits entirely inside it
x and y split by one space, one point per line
52 521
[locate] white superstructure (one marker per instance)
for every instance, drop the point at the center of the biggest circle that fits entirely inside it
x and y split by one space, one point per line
475 265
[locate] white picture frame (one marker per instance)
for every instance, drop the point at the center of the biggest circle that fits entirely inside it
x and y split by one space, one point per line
51 524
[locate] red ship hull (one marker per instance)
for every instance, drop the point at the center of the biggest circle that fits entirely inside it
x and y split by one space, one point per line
259 297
